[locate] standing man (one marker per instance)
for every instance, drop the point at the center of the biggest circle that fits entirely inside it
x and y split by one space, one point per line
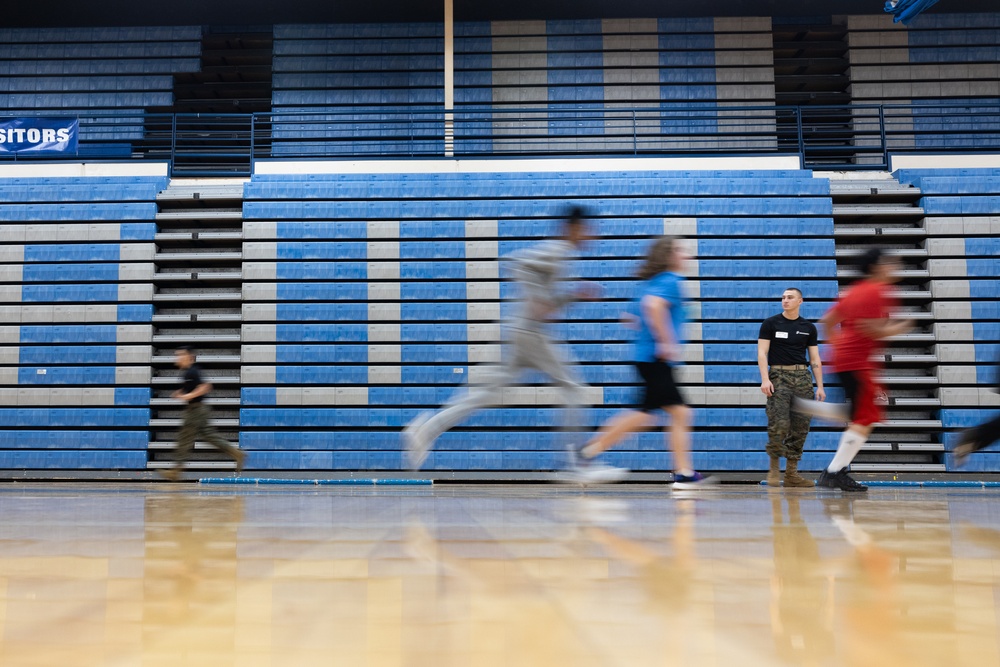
782 345
544 291
863 316
196 424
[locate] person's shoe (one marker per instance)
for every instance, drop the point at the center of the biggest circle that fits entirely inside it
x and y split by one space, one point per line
586 471
840 480
774 473
965 447
240 458
695 481
170 474
417 444
793 479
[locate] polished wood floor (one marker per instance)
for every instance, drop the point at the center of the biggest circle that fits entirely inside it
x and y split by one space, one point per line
483 575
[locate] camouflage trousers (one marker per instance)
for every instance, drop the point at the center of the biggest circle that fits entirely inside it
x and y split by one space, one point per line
787 430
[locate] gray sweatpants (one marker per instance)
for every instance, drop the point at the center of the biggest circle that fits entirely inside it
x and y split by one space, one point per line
526 349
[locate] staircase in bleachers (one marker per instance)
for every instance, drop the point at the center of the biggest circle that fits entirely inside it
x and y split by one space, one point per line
810 71
75 271
874 209
370 297
198 297
963 246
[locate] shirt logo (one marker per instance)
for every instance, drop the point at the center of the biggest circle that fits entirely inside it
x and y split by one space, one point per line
802 333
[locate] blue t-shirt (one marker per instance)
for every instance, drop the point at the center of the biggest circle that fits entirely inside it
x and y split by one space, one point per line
667 286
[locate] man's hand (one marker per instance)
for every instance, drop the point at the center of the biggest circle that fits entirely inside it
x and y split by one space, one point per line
668 352
820 394
588 291
631 321
767 388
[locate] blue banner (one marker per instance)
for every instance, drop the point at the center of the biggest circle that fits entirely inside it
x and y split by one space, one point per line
39 135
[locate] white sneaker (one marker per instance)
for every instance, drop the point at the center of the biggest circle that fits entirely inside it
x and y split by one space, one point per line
594 473
417 444
695 481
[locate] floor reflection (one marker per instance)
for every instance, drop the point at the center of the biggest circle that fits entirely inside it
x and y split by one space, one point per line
496 575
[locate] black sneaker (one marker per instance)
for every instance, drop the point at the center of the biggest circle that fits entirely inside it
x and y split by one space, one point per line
965 447
840 480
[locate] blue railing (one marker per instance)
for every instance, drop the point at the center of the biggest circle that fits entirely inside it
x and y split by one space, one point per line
842 137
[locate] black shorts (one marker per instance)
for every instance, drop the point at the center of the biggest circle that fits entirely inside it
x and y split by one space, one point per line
659 389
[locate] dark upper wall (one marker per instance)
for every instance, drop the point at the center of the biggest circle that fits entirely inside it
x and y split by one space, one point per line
54 13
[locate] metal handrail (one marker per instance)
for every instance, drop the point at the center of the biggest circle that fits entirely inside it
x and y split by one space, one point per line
859 136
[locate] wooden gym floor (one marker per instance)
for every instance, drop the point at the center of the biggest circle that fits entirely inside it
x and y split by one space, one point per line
484 575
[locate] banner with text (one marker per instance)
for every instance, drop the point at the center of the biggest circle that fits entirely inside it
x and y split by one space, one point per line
39 135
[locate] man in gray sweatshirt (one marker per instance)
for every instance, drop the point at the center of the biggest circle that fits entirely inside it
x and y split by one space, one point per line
540 273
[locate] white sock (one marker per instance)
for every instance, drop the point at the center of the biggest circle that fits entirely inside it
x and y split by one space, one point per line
850 444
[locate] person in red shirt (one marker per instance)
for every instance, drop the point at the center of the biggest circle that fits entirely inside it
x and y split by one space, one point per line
863 314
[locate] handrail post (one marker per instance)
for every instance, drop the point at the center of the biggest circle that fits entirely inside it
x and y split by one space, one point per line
801 137
883 142
635 140
253 152
173 142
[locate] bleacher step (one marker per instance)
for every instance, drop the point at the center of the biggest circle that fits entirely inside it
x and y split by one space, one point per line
203 358
198 236
167 446
897 467
854 210
200 214
198 296
199 276
195 338
211 379
876 232
175 423
207 256
227 401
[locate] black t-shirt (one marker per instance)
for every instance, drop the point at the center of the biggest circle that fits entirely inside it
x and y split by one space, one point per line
789 339
191 380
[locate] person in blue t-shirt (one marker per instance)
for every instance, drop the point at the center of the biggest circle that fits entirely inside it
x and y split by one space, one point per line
660 320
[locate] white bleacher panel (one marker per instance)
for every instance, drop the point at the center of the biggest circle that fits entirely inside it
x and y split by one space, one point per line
384 333
384 354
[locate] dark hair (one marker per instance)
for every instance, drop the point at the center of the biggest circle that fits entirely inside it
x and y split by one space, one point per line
659 258
185 348
868 259
792 289
575 215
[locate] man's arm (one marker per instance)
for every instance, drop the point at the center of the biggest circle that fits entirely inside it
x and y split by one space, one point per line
817 368
763 346
200 390
654 311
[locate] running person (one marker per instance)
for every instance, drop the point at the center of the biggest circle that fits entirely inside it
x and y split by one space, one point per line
863 313
540 275
196 424
657 351
782 345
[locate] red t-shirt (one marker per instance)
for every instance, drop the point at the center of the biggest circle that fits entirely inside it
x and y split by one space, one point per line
865 300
